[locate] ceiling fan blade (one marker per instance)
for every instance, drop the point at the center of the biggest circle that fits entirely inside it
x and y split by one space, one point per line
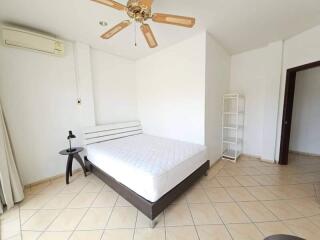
116 29
174 19
148 34
111 3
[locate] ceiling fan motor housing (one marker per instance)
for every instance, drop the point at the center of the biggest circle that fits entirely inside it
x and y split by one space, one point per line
139 10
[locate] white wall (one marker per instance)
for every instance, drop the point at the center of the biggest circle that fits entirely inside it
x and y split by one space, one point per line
256 74
115 88
305 128
298 50
38 93
171 91
248 79
217 83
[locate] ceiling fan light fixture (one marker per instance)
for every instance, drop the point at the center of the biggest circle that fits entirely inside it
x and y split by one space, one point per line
139 11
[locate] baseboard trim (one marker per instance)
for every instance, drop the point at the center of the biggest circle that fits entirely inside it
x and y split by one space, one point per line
49 179
305 153
258 158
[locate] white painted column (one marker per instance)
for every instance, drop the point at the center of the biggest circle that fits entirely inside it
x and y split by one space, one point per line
271 100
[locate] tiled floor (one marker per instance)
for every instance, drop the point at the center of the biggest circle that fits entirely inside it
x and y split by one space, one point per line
247 200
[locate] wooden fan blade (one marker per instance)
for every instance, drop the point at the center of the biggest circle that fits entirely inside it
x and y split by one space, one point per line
116 29
148 34
173 19
111 3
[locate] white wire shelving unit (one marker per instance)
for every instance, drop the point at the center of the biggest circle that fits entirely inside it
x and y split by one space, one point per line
232 126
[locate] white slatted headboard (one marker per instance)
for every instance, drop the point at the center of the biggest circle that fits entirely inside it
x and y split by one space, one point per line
111 131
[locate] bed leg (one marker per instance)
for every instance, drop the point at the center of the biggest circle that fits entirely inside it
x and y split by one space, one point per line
206 173
153 223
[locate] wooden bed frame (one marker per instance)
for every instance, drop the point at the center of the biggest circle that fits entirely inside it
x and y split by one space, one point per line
150 209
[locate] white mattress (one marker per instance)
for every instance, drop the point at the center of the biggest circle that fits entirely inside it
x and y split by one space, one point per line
150 166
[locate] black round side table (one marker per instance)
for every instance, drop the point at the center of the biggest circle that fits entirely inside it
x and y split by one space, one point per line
71 155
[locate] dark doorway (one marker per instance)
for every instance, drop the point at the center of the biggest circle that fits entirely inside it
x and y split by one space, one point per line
287 109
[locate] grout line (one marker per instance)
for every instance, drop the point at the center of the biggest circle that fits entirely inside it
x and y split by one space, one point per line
61 210
105 226
194 224
135 225
75 229
218 214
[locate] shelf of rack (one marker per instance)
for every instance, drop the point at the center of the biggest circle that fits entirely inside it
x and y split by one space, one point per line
232 126
231 154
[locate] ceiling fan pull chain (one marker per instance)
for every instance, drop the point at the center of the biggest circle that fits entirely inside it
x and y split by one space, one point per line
135 33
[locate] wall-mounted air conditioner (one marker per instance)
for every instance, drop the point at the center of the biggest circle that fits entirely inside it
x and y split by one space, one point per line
21 38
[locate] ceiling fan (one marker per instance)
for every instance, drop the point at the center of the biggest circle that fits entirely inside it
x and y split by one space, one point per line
140 11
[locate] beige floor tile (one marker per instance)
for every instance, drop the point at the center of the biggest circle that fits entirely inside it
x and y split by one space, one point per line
231 213
145 222
122 217
55 236
261 193
181 233
67 220
75 186
180 200
306 206
37 189
257 212
86 235
210 183
26 214
106 188
240 194
196 195
9 229
93 187
246 181
95 218
315 220
150 234
16 237
228 181
213 232
28 235
40 220
10 215
60 201
178 215
35 202
304 228
244 232
273 228
204 214
83 200
105 199
117 234
223 173
121 202
282 209
217 195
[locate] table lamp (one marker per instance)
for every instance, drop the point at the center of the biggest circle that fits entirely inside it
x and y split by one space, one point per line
70 136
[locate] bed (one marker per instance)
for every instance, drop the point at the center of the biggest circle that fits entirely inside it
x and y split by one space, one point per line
148 171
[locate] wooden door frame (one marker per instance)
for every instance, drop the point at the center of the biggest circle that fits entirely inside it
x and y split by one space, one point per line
288 107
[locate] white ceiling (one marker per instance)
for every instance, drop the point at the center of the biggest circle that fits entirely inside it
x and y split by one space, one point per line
239 25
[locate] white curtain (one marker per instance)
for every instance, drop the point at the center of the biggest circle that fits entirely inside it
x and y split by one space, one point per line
11 190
